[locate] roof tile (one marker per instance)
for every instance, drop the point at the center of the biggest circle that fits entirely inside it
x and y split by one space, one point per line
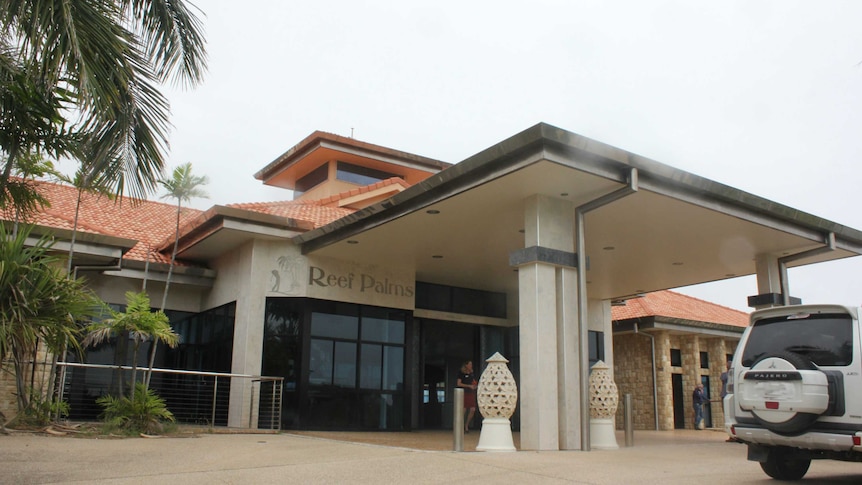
676 305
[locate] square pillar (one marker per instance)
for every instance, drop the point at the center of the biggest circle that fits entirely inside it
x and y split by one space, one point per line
538 366
548 326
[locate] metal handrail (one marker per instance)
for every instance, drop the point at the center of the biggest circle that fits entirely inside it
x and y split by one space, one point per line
276 397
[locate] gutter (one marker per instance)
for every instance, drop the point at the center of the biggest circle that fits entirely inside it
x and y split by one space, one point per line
580 248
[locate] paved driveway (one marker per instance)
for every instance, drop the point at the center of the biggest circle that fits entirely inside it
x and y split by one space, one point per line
678 457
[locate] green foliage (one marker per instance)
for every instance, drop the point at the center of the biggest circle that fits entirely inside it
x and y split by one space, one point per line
81 78
139 322
183 185
144 412
38 304
42 411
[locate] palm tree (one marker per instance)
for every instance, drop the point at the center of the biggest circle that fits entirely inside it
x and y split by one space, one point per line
38 303
182 186
140 322
100 61
83 181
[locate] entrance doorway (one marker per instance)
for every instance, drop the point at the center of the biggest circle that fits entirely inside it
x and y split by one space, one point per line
678 402
707 408
445 347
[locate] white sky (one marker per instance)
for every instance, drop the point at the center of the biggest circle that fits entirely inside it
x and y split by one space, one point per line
764 96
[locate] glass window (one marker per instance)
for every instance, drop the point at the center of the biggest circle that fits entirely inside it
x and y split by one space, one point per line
393 368
371 358
345 364
704 360
825 339
355 174
675 358
311 180
334 326
382 330
460 300
320 362
597 346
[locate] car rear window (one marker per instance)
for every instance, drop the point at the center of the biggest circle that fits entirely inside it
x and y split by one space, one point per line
825 339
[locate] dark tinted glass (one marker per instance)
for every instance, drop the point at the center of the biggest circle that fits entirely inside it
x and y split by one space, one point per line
369 375
360 175
335 326
460 300
382 325
311 180
597 346
824 339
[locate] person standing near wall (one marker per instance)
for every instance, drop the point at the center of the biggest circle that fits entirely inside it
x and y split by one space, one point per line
468 382
698 399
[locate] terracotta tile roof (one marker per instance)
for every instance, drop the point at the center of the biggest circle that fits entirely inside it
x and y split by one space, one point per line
145 221
305 210
333 200
676 305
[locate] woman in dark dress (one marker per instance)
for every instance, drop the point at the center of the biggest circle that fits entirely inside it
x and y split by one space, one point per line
468 382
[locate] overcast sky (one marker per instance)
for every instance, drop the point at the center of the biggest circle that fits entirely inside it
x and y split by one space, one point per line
765 96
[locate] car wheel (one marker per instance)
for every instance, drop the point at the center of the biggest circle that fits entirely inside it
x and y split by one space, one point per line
781 421
784 464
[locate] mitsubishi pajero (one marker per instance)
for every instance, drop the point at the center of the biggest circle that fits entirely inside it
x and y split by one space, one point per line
795 388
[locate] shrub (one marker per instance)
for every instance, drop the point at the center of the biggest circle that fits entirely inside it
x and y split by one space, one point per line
145 413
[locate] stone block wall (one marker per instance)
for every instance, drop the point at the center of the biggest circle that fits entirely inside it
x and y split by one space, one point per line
633 375
8 389
8 404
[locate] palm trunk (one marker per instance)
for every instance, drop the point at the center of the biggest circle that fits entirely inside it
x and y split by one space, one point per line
134 369
74 232
165 294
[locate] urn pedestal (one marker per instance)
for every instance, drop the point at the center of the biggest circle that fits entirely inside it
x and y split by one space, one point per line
604 399
496 396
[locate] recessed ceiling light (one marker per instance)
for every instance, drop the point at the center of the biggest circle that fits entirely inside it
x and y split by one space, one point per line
437 256
351 241
432 211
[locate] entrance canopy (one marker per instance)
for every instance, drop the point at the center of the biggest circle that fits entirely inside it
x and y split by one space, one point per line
460 226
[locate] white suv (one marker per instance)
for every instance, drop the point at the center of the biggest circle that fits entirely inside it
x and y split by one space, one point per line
795 388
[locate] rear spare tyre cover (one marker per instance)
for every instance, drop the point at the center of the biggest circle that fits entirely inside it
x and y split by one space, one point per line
785 392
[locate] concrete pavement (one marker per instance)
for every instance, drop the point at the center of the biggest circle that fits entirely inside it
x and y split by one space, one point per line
669 457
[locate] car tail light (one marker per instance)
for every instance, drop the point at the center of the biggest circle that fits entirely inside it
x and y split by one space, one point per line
857 441
730 380
771 404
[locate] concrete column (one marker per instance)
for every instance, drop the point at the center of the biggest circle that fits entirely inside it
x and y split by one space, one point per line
568 359
248 338
549 387
538 336
768 281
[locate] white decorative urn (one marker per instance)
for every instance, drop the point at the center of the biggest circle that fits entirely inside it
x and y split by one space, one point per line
496 396
604 399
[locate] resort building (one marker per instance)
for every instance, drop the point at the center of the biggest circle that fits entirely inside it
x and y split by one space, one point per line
386 270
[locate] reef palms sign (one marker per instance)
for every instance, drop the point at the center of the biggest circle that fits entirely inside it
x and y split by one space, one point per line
333 279
361 282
